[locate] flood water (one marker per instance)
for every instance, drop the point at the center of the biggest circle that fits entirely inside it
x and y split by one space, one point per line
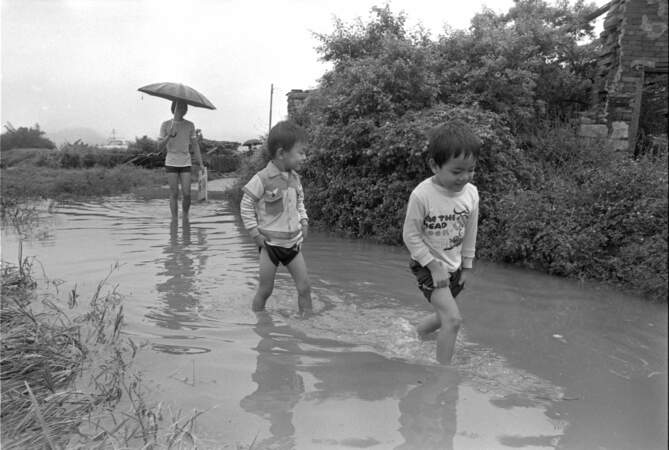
541 362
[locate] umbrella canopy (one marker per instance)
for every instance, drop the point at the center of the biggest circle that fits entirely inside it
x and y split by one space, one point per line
177 92
251 142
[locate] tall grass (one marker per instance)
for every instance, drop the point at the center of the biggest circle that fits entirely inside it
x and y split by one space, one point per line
64 376
28 181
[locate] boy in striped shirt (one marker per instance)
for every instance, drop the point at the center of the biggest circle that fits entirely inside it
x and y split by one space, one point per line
273 212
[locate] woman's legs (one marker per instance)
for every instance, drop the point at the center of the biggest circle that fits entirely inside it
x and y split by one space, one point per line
184 177
173 181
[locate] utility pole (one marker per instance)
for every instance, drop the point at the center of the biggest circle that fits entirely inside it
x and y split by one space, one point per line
271 96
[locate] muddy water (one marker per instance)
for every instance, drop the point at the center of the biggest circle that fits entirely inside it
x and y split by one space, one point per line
541 363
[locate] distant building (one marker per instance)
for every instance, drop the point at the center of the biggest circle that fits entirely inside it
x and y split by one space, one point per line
296 99
630 92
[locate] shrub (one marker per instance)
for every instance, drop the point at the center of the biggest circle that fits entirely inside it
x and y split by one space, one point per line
599 214
70 160
223 161
24 137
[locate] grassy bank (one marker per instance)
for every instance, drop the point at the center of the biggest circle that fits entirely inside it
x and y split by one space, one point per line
67 378
27 181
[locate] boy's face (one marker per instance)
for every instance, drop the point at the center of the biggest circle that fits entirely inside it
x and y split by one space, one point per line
455 173
293 158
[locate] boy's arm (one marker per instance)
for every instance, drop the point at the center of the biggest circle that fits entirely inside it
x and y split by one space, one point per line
413 239
301 210
251 194
248 213
412 232
469 241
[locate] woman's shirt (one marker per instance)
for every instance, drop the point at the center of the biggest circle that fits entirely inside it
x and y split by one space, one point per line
178 147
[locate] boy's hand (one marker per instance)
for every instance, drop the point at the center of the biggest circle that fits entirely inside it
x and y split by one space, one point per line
440 275
305 229
260 240
464 276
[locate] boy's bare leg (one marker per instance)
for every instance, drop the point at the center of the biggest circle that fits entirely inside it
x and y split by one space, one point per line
185 191
266 285
449 315
428 325
298 270
173 181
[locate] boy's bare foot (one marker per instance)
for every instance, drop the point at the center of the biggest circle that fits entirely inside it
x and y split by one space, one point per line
305 313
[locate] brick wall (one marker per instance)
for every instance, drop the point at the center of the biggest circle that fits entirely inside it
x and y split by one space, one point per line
635 42
296 98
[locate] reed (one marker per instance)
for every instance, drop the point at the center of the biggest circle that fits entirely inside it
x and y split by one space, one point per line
66 378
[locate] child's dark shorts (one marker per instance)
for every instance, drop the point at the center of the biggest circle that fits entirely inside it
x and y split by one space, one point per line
426 284
281 254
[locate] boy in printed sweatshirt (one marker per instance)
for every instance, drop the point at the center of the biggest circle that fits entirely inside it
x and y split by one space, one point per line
273 212
440 230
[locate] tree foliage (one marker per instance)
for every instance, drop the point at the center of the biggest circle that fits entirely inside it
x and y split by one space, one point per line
25 137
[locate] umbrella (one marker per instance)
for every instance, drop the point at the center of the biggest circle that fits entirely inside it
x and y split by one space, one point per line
251 142
178 92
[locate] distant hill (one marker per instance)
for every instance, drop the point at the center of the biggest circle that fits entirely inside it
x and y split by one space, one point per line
87 135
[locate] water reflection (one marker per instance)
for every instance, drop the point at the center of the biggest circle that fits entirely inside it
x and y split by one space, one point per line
183 262
279 384
428 414
301 379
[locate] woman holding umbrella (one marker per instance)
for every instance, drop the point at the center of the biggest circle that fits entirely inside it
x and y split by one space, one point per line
178 136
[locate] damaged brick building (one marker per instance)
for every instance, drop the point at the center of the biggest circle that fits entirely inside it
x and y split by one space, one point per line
630 92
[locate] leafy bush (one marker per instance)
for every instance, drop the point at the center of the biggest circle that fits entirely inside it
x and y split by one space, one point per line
528 64
600 215
223 161
25 137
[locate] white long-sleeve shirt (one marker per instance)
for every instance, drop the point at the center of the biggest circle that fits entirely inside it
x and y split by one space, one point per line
442 225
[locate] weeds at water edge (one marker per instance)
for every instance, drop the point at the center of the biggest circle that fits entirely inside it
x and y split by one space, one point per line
66 378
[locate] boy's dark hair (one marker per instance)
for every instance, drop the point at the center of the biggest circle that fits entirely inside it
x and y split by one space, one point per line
452 140
284 135
174 105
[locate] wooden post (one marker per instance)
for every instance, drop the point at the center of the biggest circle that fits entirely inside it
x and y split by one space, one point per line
636 112
271 96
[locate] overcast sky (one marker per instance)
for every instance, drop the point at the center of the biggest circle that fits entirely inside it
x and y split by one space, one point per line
78 63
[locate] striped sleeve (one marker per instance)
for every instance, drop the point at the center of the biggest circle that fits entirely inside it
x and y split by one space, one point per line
248 212
254 188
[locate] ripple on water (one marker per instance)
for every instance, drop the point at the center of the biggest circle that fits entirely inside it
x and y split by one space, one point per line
391 333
